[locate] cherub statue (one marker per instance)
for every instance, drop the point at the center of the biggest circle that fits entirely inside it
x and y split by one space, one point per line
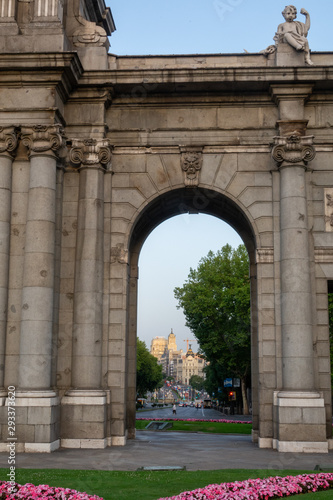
295 32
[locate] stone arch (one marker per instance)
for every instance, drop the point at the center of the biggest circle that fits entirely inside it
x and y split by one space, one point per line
160 208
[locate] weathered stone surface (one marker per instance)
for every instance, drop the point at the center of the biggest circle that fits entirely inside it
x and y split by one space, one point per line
146 138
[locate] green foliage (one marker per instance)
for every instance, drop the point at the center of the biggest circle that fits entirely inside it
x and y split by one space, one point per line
197 382
215 373
209 427
148 371
216 303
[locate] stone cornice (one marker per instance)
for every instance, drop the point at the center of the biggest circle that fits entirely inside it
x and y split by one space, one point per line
206 79
289 92
63 70
225 74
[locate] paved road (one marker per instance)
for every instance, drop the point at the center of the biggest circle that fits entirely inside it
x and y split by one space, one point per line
195 451
189 412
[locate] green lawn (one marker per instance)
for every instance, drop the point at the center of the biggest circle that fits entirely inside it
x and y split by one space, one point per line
212 427
143 485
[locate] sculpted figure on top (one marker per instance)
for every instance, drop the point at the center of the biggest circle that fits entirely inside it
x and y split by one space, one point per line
295 32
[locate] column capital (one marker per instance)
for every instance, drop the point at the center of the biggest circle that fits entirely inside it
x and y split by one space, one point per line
43 139
90 153
8 141
293 149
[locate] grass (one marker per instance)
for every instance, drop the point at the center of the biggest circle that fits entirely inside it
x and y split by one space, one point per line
143 485
152 485
211 427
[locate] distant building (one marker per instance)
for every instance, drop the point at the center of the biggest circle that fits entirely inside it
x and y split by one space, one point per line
188 365
157 347
174 362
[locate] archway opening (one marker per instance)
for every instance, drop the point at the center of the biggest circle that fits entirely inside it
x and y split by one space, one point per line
184 203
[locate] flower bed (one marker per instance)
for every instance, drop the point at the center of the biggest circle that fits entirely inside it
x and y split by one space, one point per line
13 491
219 420
260 489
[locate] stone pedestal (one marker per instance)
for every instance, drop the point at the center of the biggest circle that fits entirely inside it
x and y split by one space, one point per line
37 422
286 55
83 419
299 418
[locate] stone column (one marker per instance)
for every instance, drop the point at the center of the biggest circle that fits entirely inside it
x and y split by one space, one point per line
8 143
300 413
92 158
292 154
40 432
48 9
8 22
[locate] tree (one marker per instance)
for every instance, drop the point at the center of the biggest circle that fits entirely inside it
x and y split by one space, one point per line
148 371
216 303
197 382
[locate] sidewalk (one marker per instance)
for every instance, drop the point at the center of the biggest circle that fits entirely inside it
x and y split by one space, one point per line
169 449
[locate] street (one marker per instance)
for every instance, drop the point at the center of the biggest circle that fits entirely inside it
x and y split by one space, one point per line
189 412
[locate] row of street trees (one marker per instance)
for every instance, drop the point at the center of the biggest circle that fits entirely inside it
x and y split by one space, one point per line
216 303
148 371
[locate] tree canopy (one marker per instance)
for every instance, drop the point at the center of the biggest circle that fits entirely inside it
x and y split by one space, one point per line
216 303
148 371
197 382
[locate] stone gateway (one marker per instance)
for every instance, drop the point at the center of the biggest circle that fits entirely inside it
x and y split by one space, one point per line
96 150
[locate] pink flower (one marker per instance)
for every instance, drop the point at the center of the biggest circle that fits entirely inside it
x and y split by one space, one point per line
30 492
224 421
260 489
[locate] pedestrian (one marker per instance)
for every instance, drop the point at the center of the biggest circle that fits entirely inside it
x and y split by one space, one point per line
174 409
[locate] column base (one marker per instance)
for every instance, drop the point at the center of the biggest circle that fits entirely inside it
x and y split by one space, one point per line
118 440
92 444
255 436
32 447
265 443
84 419
37 422
301 446
300 422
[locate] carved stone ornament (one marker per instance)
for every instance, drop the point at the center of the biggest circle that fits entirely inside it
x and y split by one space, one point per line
191 163
328 200
43 139
265 255
90 153
293 149
8 141
89 34
119 255
292 33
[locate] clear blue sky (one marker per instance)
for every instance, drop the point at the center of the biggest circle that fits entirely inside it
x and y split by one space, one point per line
195 27
210 26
